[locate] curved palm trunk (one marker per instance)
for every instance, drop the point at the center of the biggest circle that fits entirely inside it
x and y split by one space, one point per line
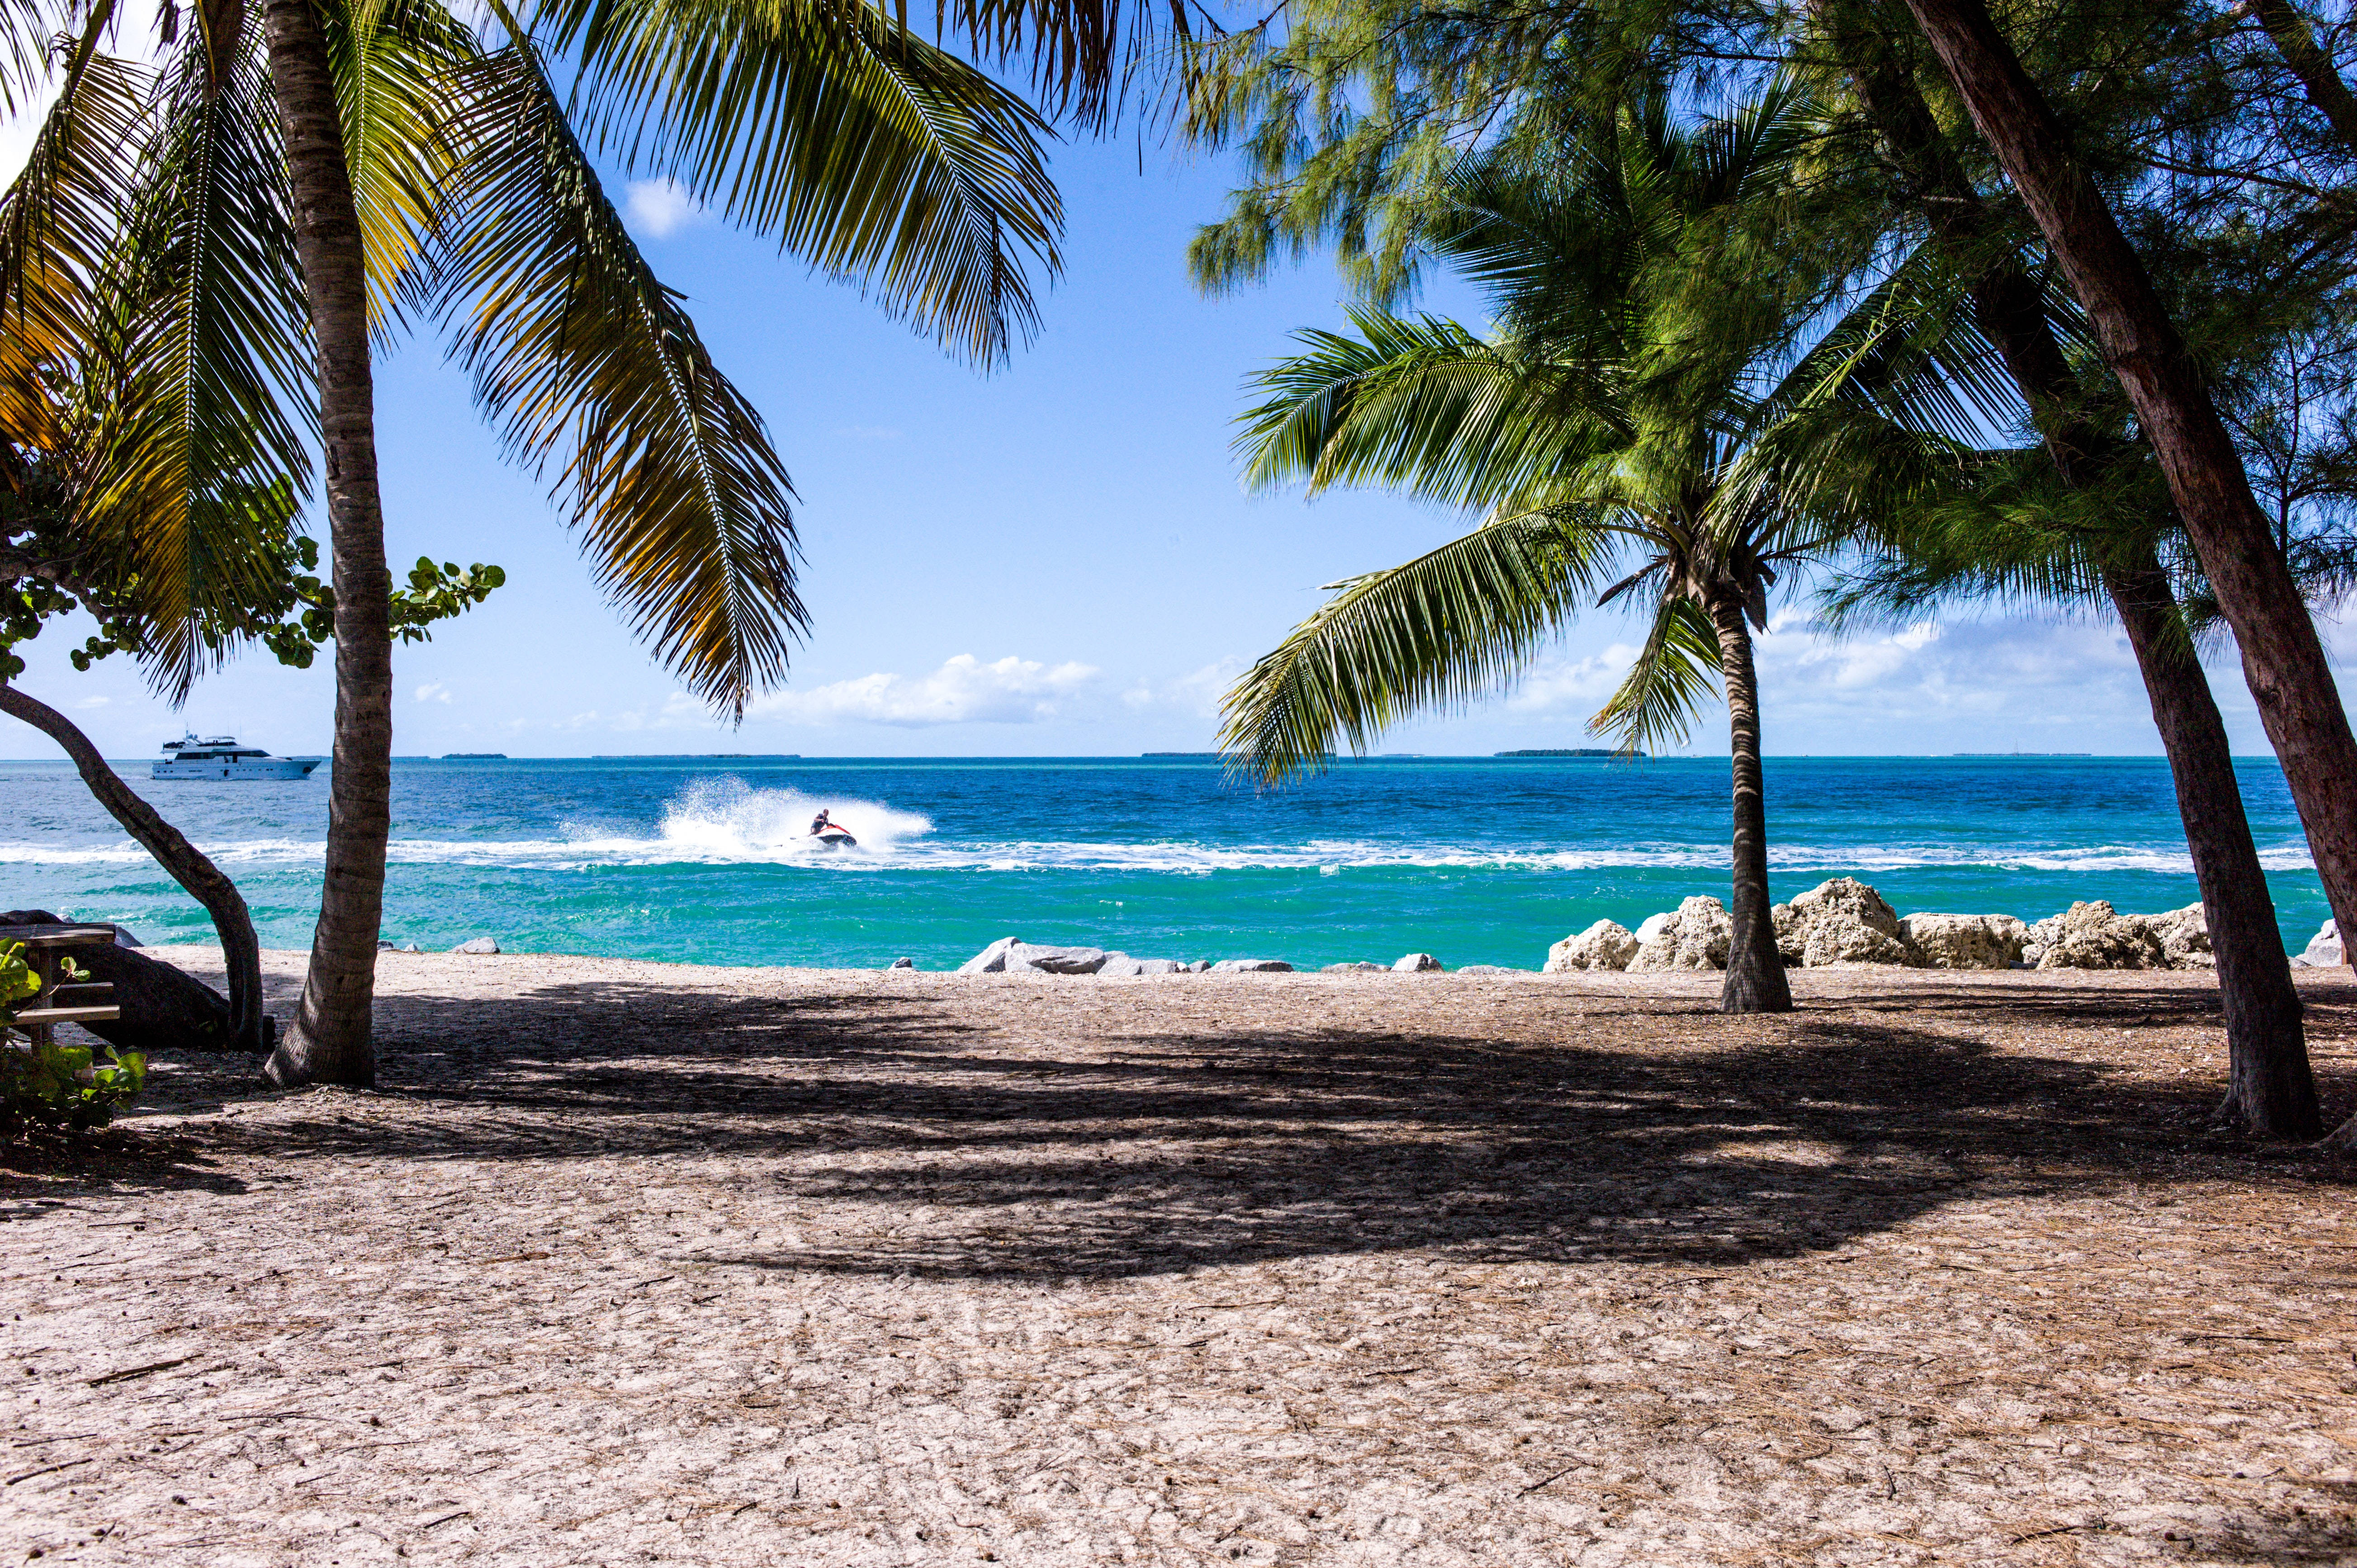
329 1040
1755 970
240 953
2283 659
2269 1090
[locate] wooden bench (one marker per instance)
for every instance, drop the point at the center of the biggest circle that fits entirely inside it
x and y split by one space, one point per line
61 1000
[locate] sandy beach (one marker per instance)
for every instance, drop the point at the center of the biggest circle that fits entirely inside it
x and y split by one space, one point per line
626 1262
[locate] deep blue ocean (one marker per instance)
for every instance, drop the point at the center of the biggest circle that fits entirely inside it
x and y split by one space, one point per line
1477 861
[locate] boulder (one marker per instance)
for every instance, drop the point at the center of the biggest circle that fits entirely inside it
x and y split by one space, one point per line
1201 966
902 964
2184 936
1120 965
1607 944
1251 966
1651 926
2324 950
1361 967
1023 956
990 960
1416 963
2091 935
1849 898
1963 942
1840 923
1841 941
1697 936
478 946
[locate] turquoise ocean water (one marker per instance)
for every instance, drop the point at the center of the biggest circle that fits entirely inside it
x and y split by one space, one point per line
1477 861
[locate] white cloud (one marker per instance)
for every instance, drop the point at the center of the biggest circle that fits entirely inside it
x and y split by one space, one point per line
1574 688
963 690
1198 693
93 702
659 208
432 691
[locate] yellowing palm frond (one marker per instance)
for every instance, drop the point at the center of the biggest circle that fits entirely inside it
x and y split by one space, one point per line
583 359
393 61
58 223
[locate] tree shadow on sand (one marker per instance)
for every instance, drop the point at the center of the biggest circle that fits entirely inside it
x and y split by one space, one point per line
1628 1135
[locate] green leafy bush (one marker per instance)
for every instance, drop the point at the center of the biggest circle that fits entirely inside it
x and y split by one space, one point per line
52 1084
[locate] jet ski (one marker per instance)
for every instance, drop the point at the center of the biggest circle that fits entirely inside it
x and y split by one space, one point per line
836 838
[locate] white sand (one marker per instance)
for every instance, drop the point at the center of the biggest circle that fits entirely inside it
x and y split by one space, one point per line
632 1263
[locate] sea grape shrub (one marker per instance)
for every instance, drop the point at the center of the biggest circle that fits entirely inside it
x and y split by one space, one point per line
49 1084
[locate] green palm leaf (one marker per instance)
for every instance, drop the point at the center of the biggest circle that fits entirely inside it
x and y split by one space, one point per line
881 159
194 467
1440 631
393 62
583 359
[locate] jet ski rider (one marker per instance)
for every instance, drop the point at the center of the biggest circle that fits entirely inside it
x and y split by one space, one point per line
822 824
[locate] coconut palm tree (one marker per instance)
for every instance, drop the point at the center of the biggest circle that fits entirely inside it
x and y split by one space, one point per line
1651 402
334 171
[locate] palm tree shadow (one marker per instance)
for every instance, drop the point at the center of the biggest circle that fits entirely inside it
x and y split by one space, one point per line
935 1150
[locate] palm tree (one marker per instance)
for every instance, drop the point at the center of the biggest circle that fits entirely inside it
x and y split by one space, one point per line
402 165
1646 400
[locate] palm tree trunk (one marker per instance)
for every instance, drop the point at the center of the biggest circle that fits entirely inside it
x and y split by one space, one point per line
2283 659
240 953
2269 1091
330 1041
1755 969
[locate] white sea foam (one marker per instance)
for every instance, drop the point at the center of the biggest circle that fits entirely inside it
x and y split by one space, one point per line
724 819
769 827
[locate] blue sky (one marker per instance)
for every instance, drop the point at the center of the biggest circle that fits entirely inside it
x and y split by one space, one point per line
1055 559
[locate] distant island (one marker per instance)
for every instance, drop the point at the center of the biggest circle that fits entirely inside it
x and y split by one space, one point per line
696 757
2022 754
1196 756
1572 751
474 756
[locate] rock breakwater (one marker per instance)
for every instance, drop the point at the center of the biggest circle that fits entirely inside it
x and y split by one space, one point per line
1845 924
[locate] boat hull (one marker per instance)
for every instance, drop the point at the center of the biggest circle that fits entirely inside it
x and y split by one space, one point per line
243 771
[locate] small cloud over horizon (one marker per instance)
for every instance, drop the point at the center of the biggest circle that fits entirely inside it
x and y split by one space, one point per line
432 691
963 690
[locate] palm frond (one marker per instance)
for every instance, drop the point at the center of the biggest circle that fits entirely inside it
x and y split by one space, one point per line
393 61
58 221
882 160
1425 406
1677 669
1445 628
194 469
583 358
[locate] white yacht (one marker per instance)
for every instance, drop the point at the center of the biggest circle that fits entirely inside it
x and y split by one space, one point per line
222 757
